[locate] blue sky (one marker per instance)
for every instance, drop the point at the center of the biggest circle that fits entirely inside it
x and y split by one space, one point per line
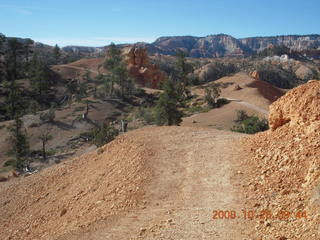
99 22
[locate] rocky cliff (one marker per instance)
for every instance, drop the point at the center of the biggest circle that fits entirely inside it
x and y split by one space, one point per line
211 46
225 45
294 42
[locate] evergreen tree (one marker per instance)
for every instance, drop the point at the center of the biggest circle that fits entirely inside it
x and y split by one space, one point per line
183 68
12 68
2 52
14 47
19 143
56 53
104 134
13 100
26 51
119 74
39 76
166 112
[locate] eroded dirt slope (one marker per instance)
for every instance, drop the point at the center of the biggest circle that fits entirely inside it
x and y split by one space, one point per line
283 167
153 183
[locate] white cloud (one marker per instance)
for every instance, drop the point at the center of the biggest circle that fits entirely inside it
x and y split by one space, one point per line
96 41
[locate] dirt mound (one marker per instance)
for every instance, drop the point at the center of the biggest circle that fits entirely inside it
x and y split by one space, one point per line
256 92
77 193
299 106
284 166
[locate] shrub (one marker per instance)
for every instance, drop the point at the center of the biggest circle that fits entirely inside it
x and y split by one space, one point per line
139 92
146 114
212 94
34 107
249 124
104 134
48 116
221 102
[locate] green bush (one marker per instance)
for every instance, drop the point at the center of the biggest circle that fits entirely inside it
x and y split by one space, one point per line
104 134
221 102
139 92
249 124
147 114
48 116
33 107
212 95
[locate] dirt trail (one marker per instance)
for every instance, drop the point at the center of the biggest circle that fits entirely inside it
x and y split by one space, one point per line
193 174
250 105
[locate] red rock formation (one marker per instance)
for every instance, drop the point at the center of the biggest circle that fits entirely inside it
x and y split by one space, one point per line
139 67
255 75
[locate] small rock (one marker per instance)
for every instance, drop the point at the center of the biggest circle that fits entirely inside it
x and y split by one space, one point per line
63 212
283 238
100 151
142 231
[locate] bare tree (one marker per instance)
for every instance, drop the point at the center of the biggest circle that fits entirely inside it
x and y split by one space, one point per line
45 137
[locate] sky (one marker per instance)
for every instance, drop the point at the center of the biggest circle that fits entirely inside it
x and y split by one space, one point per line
100 22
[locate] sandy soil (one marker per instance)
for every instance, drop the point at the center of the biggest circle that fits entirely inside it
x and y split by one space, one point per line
181 175
192 176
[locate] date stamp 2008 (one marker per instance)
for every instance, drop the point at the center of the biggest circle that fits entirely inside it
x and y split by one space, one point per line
261 215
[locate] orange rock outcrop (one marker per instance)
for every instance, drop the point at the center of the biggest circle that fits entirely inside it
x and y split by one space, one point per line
299 107
145 73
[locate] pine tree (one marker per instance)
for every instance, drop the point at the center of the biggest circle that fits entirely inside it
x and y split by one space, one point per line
13 100
2 52
39 76
119 74
19 143
12 65
166 112
183 68
56 53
